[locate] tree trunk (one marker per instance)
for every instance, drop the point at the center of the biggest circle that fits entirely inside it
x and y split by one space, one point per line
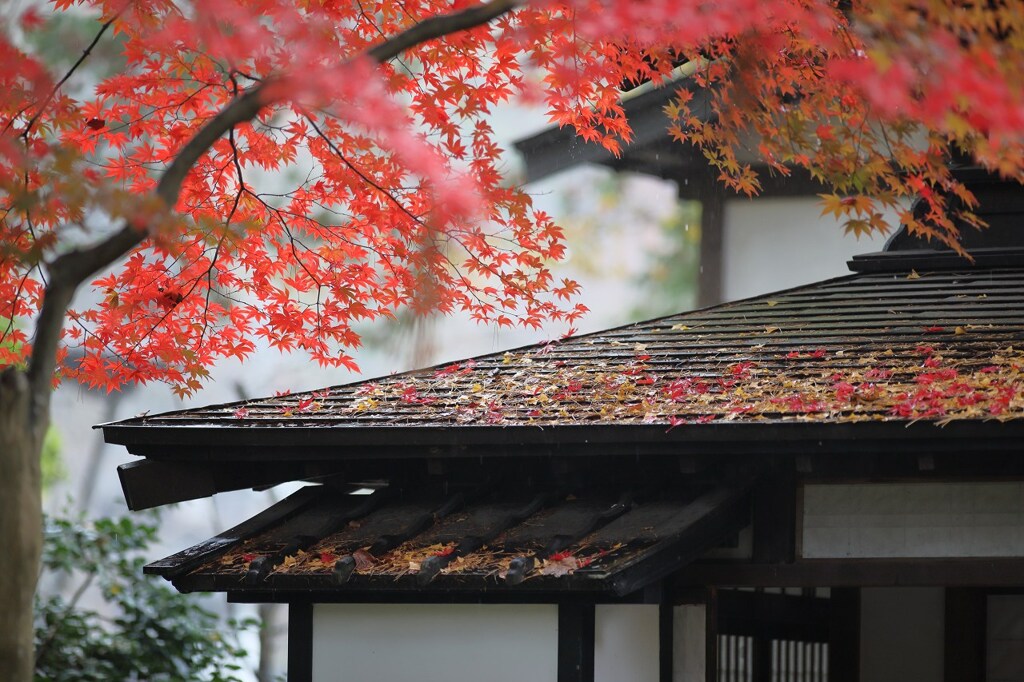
21 521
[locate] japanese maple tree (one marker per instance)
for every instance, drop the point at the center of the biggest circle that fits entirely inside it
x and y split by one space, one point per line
284 169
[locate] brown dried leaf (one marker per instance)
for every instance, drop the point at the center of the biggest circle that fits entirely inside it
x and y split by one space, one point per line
364 560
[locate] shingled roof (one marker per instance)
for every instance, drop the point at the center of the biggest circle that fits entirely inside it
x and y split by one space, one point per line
888 348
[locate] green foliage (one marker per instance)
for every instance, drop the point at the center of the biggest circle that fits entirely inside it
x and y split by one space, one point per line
52 465
60 40
670 283
143 631
617 226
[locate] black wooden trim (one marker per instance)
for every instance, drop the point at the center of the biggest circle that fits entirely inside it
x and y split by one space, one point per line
762 660
978 572
926 259
844 635
320 443
666 640
438 596
965 625
300 642
575 642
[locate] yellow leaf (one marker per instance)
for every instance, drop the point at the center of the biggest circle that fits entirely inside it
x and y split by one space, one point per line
959 330
366 404
679 327
913 275
771 304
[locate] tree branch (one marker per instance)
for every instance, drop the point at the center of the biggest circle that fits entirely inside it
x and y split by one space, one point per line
69 270
74 67
436 27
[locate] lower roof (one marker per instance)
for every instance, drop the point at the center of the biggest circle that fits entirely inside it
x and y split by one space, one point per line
321 540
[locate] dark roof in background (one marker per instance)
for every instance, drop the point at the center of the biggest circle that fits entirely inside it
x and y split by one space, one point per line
874 348
559 148
999 244
652 151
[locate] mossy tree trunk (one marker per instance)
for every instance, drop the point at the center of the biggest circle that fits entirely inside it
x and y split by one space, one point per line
21 531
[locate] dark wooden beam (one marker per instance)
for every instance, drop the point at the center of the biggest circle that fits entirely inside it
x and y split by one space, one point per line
711 636
300 642
152 483
965 634
575 642
774 517
666 640
768 616
708 519
980 572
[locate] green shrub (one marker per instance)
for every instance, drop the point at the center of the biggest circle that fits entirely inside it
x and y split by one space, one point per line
143 630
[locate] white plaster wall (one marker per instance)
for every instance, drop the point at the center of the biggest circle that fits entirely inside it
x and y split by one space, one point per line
626 643
777 243
435 642
902 634
689 645
913 520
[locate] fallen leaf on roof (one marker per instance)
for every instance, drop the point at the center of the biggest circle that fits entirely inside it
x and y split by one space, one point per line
364 560
564 564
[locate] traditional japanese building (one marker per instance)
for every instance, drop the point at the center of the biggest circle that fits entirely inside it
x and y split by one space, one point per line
821 483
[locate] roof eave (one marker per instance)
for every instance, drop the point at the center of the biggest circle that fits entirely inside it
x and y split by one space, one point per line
261 443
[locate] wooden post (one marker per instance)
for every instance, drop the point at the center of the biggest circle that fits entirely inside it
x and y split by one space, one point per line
300 642
575 642
844 635
666 640
711 633
965 634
